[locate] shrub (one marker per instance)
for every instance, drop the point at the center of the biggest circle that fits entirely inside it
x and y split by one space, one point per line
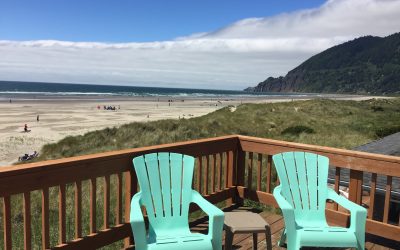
296 130
382 132
377 108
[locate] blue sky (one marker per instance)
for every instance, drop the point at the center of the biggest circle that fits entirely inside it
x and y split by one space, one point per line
217 44
129 21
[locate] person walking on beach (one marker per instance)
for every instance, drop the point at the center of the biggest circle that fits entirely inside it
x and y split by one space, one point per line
37 118
26 128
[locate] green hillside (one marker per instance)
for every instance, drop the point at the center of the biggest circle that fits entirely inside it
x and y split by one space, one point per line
364 65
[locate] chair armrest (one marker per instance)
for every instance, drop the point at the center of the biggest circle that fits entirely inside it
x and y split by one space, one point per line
137 222
358 214
216 219
287 209
282 202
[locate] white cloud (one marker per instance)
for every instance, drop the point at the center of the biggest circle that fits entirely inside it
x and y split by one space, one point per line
233 57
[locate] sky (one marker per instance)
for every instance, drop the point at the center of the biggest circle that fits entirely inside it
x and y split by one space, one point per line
191 44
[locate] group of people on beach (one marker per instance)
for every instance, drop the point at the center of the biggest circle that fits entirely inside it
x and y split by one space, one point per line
29 156
109 107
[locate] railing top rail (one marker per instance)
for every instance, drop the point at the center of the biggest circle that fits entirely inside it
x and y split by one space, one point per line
55 172
350 159
186 146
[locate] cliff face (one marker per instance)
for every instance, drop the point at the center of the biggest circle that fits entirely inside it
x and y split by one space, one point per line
364 65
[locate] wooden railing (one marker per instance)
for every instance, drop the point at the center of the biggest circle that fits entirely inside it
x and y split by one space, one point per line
228 169
358 163
214 169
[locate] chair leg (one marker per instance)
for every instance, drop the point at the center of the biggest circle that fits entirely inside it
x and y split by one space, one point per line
254 241
360 240
292 243
228 239
360 244
292 246
282 241
268 238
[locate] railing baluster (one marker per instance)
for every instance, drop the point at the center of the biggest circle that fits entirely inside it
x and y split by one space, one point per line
92 205
234 156
213 168
118 217
337 184
106 201
27 221
241 166
200 174
45 219
372 196
220 171
130 189
226 169
269 173
7 223
250 170
230 168
78 209
207 168
387 199
61 214
259 172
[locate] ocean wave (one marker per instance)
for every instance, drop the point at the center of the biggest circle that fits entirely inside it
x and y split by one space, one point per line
149 94
54 93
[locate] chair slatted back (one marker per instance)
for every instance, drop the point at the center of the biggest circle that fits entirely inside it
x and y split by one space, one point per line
165 180
303 177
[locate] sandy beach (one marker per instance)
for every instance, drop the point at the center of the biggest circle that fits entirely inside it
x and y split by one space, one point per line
60 116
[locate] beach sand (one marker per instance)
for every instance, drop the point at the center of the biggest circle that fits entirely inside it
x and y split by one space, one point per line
60 117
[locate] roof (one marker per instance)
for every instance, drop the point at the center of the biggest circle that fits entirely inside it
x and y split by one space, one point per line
389 145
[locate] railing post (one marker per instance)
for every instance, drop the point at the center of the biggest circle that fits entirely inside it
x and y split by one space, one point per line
230 158
130 190
355 186
240 170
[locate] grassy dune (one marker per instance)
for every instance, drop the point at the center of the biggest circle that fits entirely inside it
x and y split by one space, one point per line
343 124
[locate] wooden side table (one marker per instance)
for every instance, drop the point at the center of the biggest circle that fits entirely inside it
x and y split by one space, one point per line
245 222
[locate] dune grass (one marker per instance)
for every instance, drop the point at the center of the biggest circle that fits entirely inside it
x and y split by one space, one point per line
342 124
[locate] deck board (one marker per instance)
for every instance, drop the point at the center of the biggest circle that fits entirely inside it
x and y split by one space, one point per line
245 241
276 222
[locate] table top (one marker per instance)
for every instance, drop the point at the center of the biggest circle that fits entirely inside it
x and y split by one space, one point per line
244 222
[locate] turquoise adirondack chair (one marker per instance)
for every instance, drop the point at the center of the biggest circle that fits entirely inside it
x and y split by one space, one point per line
302 197
165 181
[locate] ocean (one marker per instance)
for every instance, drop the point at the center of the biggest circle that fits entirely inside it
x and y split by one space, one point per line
11 89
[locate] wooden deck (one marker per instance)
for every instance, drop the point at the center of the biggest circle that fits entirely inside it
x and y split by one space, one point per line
245 241
228 169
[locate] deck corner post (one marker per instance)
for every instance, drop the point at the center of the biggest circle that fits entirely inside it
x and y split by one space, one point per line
355 186
240 170
130 190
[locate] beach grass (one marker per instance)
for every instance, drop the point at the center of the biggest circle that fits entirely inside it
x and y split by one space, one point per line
341 124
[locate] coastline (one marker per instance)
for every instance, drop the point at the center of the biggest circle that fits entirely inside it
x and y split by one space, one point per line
61 116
